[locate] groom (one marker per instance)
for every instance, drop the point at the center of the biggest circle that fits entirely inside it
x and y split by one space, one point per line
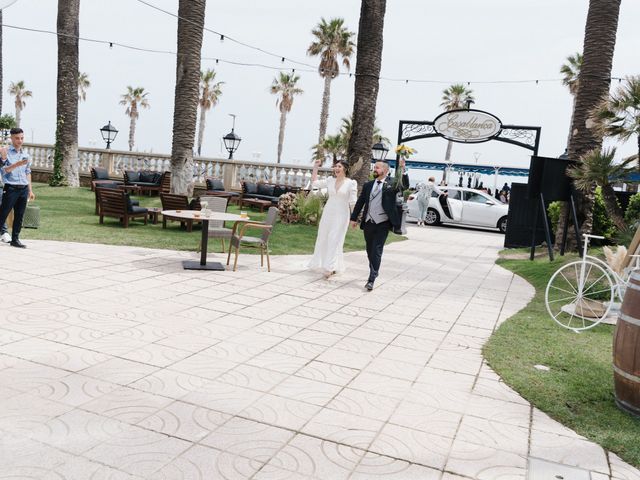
378 197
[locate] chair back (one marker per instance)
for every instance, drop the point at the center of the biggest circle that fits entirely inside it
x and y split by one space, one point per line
165 182
171 201
215 204
272 217
112 201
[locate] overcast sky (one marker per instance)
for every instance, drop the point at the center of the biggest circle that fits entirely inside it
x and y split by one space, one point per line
446 42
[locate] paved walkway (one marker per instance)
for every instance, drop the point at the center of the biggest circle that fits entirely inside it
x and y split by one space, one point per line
116 363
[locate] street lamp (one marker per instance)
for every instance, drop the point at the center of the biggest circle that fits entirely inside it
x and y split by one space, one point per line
231 140
109 133
379 152
469 102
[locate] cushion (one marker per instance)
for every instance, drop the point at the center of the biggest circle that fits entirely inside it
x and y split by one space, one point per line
250 187
132 175
265 189
147 177
214 184
101 173
278 190
157 178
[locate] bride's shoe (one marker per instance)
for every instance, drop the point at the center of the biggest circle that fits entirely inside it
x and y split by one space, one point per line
328 275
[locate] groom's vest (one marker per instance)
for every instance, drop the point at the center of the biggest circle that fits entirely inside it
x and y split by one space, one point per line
376 213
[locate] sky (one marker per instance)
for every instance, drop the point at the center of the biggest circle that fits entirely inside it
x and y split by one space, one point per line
499 46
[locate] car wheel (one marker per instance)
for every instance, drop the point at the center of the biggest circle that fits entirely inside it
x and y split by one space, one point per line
502 225
432 217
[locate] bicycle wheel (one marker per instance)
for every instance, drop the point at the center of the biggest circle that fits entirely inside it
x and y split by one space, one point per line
579 295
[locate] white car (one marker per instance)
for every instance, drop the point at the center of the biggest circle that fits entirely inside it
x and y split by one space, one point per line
462 206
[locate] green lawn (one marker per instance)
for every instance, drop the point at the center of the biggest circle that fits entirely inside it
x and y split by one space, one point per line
578 389
67 214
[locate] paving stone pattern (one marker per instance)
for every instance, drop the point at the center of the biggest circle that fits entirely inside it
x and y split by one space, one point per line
115 363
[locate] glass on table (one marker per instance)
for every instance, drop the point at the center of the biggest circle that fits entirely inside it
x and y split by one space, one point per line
243 214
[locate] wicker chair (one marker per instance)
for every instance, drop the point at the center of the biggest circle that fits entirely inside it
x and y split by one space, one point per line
216 227
238 237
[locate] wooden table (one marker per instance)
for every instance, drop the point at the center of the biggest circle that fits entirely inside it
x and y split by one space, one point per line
197 215
256 202
153 214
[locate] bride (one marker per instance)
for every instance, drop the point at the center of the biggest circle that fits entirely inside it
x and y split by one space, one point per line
328 255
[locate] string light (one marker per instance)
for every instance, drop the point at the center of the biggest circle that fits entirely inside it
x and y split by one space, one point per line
111 44
222 38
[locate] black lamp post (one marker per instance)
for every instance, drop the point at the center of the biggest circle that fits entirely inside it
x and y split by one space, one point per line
379 152
109 133
231 140
469 102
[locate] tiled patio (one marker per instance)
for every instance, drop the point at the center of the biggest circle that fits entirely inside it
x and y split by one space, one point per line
116 363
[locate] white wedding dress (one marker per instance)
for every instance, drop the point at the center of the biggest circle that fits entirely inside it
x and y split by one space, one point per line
328 255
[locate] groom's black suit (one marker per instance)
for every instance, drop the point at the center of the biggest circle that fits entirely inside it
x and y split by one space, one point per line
375 234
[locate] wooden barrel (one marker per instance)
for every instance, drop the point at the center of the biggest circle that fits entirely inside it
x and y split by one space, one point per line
626 349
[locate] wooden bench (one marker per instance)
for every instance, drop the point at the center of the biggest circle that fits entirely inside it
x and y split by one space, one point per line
256 202
116 203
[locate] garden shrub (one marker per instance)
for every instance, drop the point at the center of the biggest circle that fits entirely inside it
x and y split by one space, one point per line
287 209
301 208
632 215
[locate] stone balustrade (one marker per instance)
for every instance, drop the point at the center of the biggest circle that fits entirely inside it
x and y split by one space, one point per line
232 172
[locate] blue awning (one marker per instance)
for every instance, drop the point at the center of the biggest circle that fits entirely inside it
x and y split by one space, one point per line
463 167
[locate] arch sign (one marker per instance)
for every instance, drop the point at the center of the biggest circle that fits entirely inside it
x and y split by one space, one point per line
467 126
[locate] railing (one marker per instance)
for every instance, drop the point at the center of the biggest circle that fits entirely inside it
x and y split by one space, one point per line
232 172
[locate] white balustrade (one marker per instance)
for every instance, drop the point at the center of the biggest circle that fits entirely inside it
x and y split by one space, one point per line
231 171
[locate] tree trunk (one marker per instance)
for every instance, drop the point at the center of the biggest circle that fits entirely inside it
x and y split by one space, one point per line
324 113
593 84
67 87
612 207
203 116
18 114
368 62
132 125
283 122
190 26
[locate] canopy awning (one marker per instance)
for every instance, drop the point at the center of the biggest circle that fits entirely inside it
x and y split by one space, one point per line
463 167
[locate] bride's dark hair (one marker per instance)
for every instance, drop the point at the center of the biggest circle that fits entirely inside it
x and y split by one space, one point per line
345 165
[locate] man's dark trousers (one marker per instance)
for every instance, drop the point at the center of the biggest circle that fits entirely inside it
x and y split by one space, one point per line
375 235
14 196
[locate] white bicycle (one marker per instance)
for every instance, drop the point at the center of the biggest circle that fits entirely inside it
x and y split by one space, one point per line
580 294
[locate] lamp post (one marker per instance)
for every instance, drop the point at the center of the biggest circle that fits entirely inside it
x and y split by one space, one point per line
379 152
109 133
469 102
231 140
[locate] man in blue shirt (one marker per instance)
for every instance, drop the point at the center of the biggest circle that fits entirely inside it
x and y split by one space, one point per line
16 175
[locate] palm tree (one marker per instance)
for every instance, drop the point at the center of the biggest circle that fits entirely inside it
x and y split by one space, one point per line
83 85
19 90
570 74
598 168
594 80
68 27
285 87
455 97
185 111
619 115
134 98
209 97
333 145
368 63
332 40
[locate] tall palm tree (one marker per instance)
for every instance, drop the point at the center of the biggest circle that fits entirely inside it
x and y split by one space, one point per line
598 168
209 96
68 26
619 115
187 93
593 84
368 63
332 40
333 145
570 74
20 92
83 85
454 97
284 85
134 99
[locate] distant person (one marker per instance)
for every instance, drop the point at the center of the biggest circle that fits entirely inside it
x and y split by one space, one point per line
16 175
506 188
423 195
334 223
503 197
